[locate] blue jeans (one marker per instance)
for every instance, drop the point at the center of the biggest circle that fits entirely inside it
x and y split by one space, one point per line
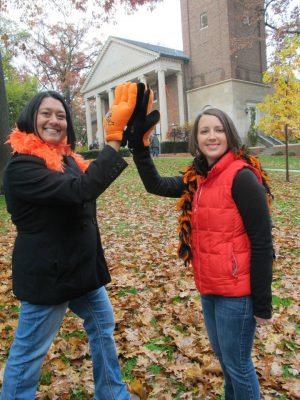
37 327
231 328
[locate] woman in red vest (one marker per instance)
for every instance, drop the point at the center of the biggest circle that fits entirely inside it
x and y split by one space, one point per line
224 232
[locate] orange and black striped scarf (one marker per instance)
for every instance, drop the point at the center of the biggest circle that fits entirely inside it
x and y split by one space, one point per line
191 177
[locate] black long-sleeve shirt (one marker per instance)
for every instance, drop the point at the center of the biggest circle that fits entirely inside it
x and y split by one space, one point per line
250 199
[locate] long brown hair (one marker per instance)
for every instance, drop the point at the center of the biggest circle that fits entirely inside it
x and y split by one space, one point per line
233 139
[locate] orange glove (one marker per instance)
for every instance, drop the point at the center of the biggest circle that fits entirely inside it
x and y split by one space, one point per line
117 117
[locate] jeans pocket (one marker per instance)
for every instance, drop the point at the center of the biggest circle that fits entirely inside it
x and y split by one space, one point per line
240 307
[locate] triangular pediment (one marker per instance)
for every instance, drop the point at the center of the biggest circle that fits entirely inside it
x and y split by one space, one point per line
116 59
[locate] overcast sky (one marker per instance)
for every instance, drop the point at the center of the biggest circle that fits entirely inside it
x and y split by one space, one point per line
161 26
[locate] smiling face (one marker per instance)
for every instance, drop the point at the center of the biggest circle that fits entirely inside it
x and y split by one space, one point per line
51 122
211 137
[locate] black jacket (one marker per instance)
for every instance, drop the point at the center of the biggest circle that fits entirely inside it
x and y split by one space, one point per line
57 254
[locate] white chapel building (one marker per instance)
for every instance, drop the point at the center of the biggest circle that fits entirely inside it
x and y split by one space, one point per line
207 73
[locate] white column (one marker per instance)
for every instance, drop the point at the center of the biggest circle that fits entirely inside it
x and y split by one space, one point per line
111 96
100 130
143 79
88 122
103 108
162 104
180 98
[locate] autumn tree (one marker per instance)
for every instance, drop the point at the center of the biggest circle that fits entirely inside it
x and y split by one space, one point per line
280 19
282 108
253 131
4 126
20 88
61 57
33 12
15 89
101 9
20 85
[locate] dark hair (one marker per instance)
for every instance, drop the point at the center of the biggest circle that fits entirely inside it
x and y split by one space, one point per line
27 119
233 139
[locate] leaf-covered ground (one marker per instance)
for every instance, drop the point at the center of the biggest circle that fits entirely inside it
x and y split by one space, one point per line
161 339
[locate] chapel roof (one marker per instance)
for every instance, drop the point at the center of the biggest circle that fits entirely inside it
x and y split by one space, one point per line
163 51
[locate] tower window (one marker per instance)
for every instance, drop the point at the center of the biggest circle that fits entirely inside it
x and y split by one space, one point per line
246 20
203 20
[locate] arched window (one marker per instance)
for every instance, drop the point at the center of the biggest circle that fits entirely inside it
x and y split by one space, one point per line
203 20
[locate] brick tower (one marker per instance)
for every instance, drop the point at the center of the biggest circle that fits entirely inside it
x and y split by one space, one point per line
209 28
216 75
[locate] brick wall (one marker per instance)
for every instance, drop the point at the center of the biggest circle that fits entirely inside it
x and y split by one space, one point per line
210 48
293 148
248 63
172 100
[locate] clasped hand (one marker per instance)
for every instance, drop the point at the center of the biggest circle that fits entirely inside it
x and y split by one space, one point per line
130 119
118 116
263 321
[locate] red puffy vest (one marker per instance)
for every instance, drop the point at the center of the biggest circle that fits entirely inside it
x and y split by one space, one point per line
220 245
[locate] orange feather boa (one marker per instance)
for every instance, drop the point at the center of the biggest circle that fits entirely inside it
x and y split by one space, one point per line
29 143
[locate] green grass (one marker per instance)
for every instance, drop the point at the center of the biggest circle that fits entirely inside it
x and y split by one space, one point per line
126 290
127 371
2 203
283 206
279 162
172 166
79 393
81 334
65 359
176 300
130 192
162 345
46 377
10 309
286 372
4 216
167 166
175 164
155 369
181 389
277 302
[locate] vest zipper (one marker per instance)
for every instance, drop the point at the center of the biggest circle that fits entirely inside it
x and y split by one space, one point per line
234 266
198 195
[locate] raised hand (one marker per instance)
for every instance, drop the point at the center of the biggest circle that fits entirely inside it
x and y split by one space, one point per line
139 99
118 116
142 122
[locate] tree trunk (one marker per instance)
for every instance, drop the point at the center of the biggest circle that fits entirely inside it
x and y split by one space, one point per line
287 176
4 126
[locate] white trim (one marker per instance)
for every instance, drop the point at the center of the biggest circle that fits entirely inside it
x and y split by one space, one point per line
103 52
132 75
226 81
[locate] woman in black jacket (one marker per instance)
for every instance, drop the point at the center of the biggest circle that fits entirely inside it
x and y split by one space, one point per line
58 260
